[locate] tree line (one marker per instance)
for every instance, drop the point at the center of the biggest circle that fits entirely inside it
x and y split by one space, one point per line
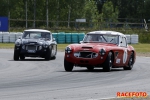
69 10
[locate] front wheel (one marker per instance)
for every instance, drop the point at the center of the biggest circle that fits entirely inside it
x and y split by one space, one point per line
53 58
16 55
22 57
130 63
68 66
108 63
48 55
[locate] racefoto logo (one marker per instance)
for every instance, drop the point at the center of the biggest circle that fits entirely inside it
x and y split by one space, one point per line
132 94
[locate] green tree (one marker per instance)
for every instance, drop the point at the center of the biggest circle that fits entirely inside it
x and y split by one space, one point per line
90 11
109 14
108 11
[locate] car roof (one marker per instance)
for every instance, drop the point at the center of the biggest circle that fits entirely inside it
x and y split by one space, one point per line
39 30
107 32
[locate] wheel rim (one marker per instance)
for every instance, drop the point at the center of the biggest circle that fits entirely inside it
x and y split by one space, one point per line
131 61
110 62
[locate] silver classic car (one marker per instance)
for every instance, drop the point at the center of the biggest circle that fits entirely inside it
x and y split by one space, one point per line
35 43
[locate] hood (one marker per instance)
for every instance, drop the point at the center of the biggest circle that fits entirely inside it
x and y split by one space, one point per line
91 46
36 41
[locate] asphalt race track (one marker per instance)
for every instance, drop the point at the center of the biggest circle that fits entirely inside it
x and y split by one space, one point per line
37 79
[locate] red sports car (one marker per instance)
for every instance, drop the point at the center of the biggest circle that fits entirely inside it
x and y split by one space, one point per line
106 49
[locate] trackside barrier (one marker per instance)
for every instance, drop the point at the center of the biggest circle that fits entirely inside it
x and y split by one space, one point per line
128 39
1 37
9 37
12 37
61 37
5 37
68 38
132 39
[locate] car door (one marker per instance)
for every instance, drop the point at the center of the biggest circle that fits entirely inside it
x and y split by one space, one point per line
125 50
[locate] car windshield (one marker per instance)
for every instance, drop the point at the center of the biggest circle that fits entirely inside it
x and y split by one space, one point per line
101 38
36 35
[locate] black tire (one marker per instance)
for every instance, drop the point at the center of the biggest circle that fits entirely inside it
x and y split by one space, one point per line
16 55
68 66
90 68
54 57
22 57
48 55
108 63
130 63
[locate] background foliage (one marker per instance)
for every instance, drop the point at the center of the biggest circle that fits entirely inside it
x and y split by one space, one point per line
59 9
120 15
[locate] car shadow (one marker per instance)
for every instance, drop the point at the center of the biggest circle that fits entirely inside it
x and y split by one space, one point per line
31 60
96 70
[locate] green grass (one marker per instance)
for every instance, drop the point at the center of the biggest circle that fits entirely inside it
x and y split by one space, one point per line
61 46
6 45
140 48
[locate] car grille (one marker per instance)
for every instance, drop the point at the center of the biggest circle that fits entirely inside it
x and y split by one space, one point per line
86 55
31 47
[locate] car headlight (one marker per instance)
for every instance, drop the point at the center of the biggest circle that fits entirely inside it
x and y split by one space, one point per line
40 43
76 54
95 55
102 52
40 47
18 43
68 50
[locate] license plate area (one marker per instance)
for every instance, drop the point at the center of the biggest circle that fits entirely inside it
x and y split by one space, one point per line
31 51
31 48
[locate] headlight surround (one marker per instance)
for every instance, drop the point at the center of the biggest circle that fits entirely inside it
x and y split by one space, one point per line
95 55
76 54
18 43
68 50
40 47
102 52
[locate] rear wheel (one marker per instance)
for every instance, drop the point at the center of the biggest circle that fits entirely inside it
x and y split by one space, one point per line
130 63
54 57
16 55
108 63
68 66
